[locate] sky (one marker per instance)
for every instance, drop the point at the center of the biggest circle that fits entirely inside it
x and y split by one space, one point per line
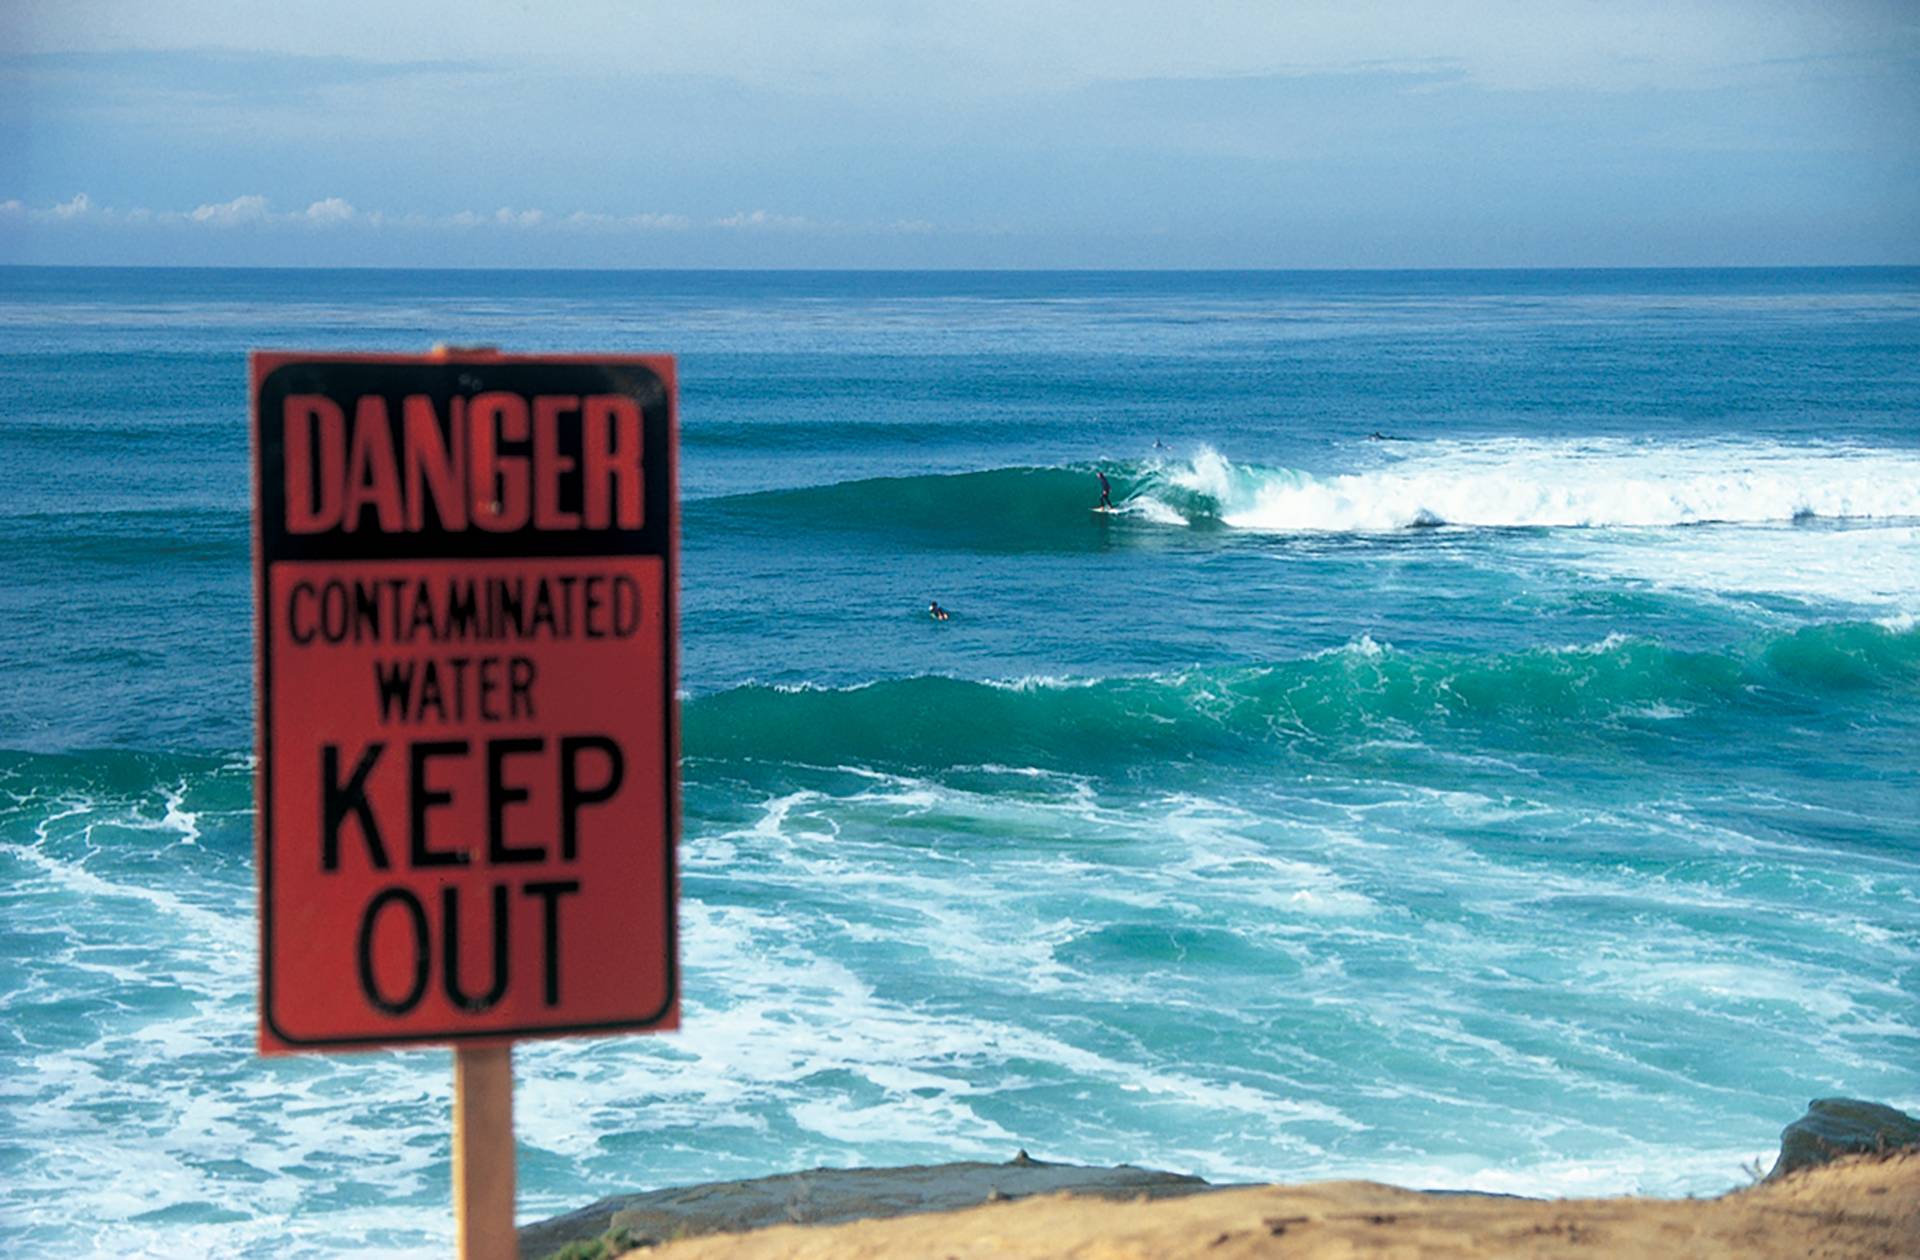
1004 133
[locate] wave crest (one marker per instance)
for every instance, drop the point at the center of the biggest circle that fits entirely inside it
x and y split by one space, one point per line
1335 699
1534 485
1504 483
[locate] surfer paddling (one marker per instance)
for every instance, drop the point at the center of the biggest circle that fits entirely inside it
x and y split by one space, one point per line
936 612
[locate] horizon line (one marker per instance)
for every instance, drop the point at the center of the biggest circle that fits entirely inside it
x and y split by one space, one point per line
957 270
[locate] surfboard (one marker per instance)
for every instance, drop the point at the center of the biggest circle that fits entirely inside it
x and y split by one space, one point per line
1106 511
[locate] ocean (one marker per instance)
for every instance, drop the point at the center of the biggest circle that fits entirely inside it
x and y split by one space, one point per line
1480 752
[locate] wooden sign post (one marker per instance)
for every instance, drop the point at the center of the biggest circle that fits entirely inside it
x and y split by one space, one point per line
483 1153
465 589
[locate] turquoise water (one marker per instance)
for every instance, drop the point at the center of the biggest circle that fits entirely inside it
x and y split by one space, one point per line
1524 802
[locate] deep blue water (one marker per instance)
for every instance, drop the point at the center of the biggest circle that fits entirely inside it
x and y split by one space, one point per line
1524 801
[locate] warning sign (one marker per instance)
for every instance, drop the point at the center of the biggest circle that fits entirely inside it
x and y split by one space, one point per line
465 584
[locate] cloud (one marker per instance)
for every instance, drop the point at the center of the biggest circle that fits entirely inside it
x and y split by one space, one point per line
253 210
331 210
207 82
241 210
78 208
768 221
762 220
666 222
960 51
594 220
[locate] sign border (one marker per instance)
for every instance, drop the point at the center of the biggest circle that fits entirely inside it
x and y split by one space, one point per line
271 1039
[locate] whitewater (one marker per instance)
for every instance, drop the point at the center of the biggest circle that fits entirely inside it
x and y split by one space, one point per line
1523 800
1518 484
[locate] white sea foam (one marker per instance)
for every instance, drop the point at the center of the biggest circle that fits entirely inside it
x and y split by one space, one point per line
1541 483
1041 682
73 876
893 968
1152 509
1808 521
1873 567
1637 1169
1364 646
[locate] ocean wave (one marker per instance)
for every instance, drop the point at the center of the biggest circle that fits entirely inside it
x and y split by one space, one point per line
1505 483
1332 698
1517 484
125 539
997 509
1325 703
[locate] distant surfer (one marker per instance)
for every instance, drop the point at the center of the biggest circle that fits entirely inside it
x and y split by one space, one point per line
936 612
1106 492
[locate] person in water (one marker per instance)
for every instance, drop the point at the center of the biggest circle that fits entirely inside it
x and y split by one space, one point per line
1106 491
936 612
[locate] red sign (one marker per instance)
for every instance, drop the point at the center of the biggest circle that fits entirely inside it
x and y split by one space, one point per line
465 584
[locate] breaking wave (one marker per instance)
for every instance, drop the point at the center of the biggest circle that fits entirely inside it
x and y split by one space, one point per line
1514 484
1526 485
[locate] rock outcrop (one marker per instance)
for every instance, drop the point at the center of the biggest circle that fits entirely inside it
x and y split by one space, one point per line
1834 1127
831 1195
1861 1207
1831 1129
